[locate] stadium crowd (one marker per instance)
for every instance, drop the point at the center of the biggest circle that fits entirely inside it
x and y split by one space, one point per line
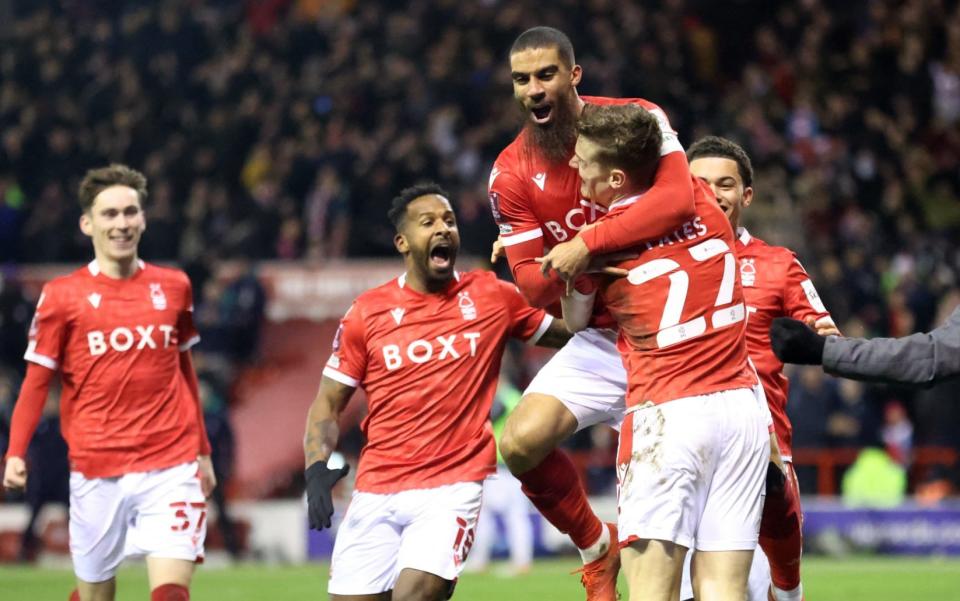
280 130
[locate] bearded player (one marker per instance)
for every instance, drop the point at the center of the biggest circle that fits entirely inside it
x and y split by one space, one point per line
535 199
426 347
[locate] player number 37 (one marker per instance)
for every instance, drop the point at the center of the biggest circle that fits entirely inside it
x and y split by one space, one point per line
671 331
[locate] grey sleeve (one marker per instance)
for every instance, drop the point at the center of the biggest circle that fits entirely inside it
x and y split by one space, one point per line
915 359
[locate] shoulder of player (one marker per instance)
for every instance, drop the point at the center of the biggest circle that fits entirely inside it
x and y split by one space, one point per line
170 273
779 257
378 299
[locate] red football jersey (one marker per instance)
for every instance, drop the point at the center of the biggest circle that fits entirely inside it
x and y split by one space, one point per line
774 285
537 204
125 405
429 364
681 311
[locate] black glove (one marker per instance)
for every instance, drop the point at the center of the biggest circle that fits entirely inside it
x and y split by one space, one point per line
320 482
794 342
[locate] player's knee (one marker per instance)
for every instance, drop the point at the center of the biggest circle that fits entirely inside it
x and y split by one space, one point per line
521 445
431 588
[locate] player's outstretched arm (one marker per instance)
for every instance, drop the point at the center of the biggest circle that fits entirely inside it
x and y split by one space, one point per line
26 416
319 443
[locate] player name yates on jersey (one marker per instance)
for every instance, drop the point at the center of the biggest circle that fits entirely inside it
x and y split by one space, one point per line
442 348
123 339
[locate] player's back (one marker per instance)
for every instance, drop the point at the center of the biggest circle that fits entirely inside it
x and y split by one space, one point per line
681 311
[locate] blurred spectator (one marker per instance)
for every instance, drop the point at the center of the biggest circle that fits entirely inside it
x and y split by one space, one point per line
15 315
213 397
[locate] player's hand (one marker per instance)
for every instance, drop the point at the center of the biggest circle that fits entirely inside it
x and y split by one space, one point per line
497 252
794 342
15 474
208 479
568 259
603 264
320 483
824 326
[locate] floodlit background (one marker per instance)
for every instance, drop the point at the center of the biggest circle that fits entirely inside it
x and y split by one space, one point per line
275 132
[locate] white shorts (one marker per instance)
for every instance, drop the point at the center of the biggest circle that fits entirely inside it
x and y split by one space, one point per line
430 530
588 377
692 471
160 513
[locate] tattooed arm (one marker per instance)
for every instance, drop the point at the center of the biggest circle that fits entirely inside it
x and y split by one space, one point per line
322 430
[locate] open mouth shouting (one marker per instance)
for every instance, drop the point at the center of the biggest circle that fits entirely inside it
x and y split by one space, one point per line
541 113
442 254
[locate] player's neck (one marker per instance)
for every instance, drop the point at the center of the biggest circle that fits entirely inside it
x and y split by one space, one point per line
118 269
580 103
419 283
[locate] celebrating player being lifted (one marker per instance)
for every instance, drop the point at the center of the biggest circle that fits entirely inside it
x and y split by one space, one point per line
535 199
119 332
694 444
426 347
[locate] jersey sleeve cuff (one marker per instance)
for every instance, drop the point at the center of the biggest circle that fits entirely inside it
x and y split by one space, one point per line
544 325
34 357
341 377
186 346
521 237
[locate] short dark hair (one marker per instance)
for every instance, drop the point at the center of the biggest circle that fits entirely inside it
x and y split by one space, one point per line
115 174
545 37
398 206
628 136
715 146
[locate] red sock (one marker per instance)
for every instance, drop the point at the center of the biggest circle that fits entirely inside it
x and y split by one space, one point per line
556 491
781 536
170 592
74 595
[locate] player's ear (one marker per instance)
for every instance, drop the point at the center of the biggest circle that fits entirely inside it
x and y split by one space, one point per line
86 225
576 74
400 242
618 178
747 196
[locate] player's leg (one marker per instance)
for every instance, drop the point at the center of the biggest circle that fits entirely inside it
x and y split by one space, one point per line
782 539
170 528
652 568
663 466
439 528
582 385
364 561
169 578
98 522
730 521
